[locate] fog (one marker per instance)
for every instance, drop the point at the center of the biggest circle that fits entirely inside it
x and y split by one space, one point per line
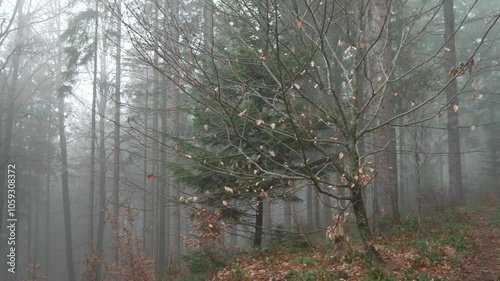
133 131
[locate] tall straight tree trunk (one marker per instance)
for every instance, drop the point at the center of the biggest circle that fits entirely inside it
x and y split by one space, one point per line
65 192
29 218
93 135
164 189
116 133
379 63
160 254
454 154
145 217
176 249
163 193
64 174
103 101
47 202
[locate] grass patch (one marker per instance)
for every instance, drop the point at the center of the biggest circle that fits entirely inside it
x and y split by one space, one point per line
494 219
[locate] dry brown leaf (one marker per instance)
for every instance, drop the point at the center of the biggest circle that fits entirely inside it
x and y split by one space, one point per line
241 113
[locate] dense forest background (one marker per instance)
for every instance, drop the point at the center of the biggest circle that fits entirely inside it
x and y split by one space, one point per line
143 132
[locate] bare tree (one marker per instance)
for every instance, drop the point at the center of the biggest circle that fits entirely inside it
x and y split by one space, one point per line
275 115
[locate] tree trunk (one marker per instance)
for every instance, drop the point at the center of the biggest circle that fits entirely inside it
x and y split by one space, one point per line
47 207
93 136
379 63
160 247
176 117
268 215
64 161
327 213
116 137
259 220
287 222
145 217
65 187
309 206
103 100
454 154
362 223
163 193
208 23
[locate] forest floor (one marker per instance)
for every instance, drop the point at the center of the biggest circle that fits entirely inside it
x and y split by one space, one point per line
462 244
484 262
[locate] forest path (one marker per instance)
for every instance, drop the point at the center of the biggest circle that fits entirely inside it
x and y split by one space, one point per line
484 262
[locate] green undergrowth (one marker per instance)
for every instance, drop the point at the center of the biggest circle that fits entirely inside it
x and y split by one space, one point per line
494 219
435 233
424 249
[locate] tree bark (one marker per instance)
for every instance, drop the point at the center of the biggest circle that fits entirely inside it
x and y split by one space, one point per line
116 133
176 117
101 224
47 202
160 247
65 187
379 63
454 153
362 223
93 137
145 218
309 207
259 220
287 222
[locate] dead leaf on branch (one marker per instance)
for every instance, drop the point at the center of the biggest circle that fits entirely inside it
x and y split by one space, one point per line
259 122
241 113
301 25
